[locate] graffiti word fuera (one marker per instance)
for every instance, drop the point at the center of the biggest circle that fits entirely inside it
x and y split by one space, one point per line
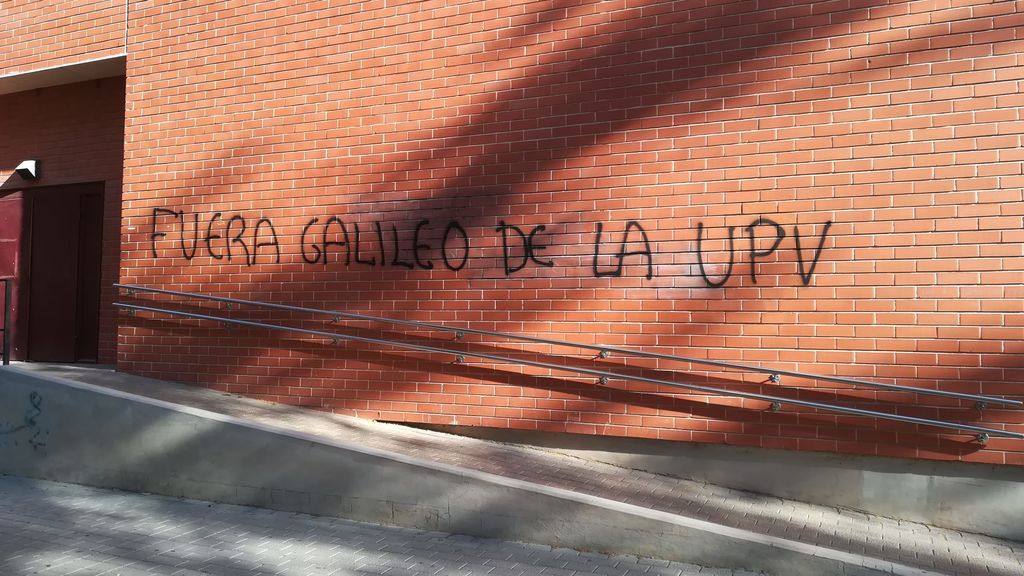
426 245
224 238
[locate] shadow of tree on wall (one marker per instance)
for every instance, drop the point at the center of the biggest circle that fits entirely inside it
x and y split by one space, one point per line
600 90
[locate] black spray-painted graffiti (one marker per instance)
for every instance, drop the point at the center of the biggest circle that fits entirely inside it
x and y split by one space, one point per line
806 272
318 238
218 246
645 252
529 243
29 423
375 244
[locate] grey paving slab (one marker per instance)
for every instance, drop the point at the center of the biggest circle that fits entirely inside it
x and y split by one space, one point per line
48 528
908 543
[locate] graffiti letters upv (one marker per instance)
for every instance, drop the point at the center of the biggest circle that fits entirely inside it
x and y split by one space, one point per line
330 240
753 254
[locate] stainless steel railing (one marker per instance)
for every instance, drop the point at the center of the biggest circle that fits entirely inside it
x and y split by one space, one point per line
981 401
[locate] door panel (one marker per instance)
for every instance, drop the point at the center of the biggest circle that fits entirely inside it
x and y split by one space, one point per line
90 228
63 275
54 277
11 246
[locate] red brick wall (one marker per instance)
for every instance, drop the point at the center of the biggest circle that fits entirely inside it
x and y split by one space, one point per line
77 132
45 33
885 137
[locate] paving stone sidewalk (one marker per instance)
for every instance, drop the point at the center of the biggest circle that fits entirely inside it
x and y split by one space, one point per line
48 528
907 543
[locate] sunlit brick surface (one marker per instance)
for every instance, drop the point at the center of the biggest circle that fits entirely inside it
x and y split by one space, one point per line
38 34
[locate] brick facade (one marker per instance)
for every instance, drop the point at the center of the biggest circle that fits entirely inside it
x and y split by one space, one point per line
832 187
38 34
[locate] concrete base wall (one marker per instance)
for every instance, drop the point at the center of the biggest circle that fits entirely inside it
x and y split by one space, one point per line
979 498
72 432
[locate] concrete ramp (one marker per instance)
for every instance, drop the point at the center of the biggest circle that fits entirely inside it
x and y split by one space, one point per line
148 436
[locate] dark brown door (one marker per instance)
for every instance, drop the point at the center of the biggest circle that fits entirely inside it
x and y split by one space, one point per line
64 273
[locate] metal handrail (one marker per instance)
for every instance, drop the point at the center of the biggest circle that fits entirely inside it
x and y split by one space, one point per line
982 432
603 350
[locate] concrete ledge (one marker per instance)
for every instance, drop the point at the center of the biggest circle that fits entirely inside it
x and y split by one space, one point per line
96 68
72 432
976 498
